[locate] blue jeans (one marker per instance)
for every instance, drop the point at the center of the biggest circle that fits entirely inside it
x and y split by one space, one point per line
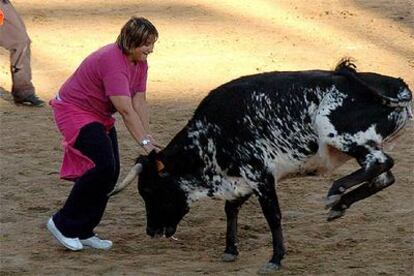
86 203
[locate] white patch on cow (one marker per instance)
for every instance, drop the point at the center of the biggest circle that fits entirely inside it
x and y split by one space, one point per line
323 125
362 137
231 188
375 156
227 188
404 94
382 180
409 111
194 192
400 117
312 107
242 187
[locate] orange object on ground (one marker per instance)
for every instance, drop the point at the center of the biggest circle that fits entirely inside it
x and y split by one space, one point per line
1 17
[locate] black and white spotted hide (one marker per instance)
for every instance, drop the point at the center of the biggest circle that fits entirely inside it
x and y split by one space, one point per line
250 133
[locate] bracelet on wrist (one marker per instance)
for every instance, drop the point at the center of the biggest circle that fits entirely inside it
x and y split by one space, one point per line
145 142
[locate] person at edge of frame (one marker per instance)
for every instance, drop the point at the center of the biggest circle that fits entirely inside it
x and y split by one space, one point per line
14 38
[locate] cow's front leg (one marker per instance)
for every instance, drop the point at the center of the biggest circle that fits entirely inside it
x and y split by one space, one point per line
374 163
377 184
232 210
271 210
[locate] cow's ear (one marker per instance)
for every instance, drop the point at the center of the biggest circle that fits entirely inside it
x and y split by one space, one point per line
160 166
159 163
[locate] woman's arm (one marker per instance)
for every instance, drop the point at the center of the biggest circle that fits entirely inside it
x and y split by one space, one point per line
132 120
139 103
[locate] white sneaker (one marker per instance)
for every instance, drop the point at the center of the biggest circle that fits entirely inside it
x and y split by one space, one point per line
70 243
97 243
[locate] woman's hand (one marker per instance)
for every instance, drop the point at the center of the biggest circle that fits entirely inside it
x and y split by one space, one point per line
148 148
155 143
149 144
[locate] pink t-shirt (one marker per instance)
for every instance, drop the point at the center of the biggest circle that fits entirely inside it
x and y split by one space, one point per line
84 98
106 72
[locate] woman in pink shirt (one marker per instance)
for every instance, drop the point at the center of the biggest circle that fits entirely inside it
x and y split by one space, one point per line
111 79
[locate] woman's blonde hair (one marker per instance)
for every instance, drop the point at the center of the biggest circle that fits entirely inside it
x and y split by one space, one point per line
135 33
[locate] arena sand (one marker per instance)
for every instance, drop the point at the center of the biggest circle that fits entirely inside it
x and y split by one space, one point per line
203 44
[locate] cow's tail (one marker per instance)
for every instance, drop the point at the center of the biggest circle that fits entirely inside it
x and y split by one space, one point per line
347 68
132 174
346 64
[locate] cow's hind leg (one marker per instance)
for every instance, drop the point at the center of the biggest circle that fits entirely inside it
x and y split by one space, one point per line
271 210
232 210
373 161
377 184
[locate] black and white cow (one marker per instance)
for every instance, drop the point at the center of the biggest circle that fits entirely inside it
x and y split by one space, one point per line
248 134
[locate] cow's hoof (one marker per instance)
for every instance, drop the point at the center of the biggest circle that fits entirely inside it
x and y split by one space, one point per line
227 257
334 214
269 268
332 200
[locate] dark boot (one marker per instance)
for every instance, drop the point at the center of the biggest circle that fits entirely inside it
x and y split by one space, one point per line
31 100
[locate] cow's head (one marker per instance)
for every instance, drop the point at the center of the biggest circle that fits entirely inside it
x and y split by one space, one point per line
165 202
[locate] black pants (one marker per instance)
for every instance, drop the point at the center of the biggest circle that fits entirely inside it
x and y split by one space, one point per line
86 203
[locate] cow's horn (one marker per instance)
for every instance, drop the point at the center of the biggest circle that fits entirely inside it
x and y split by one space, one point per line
133 172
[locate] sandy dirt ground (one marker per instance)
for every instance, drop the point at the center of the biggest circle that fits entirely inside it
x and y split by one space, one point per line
203 44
